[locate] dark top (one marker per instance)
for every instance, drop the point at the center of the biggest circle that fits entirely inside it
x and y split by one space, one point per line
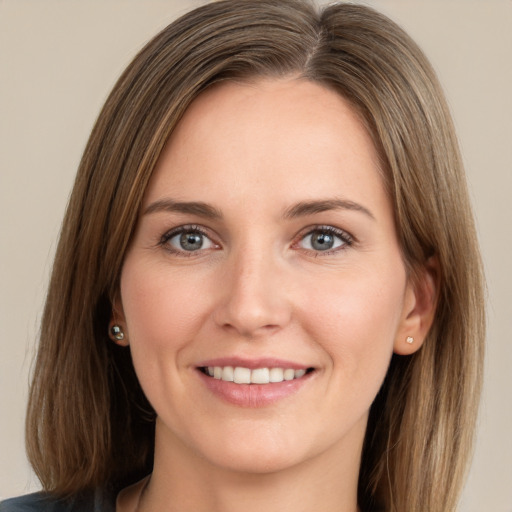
94 501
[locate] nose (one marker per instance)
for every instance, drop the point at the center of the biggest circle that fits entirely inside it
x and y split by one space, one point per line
254 301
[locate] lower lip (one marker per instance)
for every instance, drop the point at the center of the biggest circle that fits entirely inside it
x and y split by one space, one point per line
253 395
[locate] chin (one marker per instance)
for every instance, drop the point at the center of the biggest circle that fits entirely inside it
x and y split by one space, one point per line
261 450
256 463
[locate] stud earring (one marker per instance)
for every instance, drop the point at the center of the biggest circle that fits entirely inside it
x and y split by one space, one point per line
409 340
116 333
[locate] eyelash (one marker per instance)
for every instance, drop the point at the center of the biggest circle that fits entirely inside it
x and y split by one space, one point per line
346 238
189 228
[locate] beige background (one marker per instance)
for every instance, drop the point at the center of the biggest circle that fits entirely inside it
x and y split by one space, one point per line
59 59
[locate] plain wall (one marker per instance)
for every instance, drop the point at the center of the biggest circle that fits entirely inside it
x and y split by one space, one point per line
58 61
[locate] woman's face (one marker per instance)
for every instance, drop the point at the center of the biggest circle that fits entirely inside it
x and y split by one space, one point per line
266 251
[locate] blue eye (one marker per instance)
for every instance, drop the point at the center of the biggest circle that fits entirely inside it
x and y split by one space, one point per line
187 239
325 239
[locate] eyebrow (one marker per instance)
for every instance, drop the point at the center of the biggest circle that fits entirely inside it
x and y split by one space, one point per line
302 209
305 208
191 207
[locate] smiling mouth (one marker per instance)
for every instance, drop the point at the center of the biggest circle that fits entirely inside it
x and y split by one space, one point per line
242 375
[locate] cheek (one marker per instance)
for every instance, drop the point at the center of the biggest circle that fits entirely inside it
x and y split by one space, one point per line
163 310
160 309
356 318
163 313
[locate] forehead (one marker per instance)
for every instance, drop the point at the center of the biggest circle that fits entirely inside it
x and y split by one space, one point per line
265 137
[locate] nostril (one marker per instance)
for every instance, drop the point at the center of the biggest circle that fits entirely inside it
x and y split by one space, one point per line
253 311
250 331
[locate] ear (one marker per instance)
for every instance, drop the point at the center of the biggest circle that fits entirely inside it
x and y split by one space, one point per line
420 302
117 329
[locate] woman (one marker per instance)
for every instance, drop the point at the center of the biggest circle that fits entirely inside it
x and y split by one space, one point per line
267 291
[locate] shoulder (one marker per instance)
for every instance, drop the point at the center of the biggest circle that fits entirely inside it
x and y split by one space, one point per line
94 501
28 503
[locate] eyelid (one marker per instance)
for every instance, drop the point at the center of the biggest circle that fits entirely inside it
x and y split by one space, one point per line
171 233
347 239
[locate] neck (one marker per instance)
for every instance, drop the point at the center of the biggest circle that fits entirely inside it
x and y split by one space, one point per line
182 481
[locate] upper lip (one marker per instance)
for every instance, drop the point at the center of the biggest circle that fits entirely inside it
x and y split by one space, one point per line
253 364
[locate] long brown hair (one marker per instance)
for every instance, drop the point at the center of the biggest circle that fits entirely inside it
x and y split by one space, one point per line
88 421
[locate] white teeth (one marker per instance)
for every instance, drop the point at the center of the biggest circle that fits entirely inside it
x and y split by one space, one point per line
260 376
276 375
228 374
241 375
289 374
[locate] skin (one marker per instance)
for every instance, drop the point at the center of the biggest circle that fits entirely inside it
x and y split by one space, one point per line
258 288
